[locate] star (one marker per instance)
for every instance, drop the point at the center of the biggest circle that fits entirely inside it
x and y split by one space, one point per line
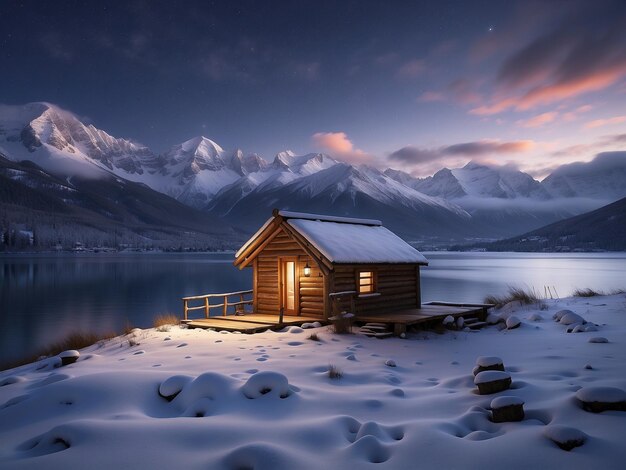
491 28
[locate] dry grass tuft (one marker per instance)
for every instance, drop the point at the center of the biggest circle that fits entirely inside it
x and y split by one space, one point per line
313 337
334 372
164 321
525 296
586 293
128 328
74 340
593 293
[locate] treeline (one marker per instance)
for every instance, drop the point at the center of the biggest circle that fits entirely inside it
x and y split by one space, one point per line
34 231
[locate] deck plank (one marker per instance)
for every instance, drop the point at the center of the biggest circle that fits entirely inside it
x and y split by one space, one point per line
418 315
249 323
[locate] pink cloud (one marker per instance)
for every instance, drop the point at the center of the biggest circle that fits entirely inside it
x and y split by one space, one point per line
605 122
338 145
573 115
539 120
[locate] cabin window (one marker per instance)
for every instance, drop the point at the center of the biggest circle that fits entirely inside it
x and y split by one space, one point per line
367 282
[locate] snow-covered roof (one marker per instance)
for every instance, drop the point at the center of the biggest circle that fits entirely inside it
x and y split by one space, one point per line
328 218
352 241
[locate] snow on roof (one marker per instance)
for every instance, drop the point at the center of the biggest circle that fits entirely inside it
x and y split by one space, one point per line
355 242
328 218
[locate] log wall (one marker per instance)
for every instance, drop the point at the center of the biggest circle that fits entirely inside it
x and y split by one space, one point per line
267 292
397 284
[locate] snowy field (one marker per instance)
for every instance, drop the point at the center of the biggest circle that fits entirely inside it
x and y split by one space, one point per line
266 401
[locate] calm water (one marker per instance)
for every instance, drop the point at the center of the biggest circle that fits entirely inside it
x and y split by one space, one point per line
44 297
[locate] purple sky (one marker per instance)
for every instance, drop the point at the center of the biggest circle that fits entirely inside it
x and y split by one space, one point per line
411 85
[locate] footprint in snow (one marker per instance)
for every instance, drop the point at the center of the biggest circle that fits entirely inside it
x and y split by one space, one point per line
137 353
181 345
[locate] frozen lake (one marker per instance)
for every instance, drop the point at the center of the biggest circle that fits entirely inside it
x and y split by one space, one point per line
44 297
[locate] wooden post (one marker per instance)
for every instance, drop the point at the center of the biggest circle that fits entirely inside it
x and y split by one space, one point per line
225 305
255 278
328 288
206 307
185 308
418 287
280 316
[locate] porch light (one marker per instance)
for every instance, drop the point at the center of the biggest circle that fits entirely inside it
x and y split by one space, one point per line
307 270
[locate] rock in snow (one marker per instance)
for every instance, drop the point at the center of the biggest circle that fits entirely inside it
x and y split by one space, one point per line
598 399
598 339
571 318
173 386
565 437
266 383
492 381
513 322
507 409
484 363
69 357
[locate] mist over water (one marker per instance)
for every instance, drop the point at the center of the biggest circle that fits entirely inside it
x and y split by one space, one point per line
45 297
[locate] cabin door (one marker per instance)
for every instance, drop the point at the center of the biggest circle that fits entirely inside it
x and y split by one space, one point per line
288 285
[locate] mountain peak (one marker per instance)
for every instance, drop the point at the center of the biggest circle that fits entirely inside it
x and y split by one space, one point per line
202 146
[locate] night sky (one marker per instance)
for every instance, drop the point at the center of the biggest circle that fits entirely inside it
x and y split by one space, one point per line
412 85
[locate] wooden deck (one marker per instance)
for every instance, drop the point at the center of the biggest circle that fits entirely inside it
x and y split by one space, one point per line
429 312
249 323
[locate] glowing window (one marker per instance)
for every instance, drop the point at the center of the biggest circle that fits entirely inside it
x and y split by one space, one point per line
366 282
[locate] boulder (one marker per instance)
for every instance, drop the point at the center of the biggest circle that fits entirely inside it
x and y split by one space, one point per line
69 357
565 437
507 409
492 381
571 318
598 339
599 399
484 363
513 322
558 315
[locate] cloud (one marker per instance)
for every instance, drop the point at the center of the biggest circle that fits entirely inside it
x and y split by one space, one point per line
573 115
604 142
585 53
338 145
412 69
539 120
460 90
431 97
416 155
605 122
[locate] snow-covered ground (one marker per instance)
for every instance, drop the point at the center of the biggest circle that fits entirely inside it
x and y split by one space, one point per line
105 411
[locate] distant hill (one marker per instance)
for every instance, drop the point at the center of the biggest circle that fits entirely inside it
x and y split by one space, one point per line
601 229
39 210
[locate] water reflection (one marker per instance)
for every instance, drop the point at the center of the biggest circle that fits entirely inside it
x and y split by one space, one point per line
44 297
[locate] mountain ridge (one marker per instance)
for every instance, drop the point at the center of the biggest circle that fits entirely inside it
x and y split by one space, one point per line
483 200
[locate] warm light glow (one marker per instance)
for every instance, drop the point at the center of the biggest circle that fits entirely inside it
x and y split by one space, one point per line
307 270
366 282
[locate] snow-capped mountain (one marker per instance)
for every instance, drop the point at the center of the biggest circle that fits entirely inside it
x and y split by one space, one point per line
58 141
474 200
194 171
602 178
343 189
476 180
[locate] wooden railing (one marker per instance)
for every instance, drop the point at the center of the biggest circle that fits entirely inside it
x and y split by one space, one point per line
207 306
337 297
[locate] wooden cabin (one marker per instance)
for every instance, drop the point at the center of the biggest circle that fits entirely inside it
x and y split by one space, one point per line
301 262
